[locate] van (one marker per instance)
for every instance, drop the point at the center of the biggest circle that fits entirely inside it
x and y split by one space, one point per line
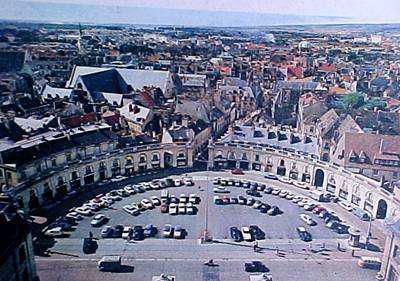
109 263
370 262
361 214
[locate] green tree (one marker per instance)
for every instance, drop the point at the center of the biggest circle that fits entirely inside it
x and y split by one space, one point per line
353 100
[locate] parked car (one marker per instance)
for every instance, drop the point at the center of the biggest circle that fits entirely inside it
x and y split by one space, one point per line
270 176
236 234
107 232
216 181
190 209
290 196
85 211
131 210
173 209
188 181
242 200
273 211
257 204
268 190
307 219
304 235
178 232
253 193
154 184
150 230
374 263
246 234
283 193
130 190
220 189
182 208
309 206
127 232
147 203
255 266
297 199
250 201
155 200
177 182
276 191
138 232
237 172
264 208
193 198
167 231
256 232
118 230
54 232
285 180
345 205
164 208
301 184
183 198
99 220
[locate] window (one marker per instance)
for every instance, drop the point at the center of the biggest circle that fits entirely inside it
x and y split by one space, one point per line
53 162
257 158
395 175
8 175
375 172
1 173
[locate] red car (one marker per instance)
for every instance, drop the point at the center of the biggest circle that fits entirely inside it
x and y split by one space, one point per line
164 208
237 172
318 209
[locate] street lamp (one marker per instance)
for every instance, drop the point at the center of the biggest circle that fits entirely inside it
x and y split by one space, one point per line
369 234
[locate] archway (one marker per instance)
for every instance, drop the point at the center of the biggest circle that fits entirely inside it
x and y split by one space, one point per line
382 209
142 162
168 159
319 178
33 200
102 171
281 169
89 175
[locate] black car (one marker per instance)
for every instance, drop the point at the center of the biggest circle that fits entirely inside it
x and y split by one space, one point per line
268 190
253 193
65 226
138 232
261 187
89 245
255 266
117 232
274 210
169 182
174 200
271 176
256 232
304 235
243 200
264 208
246 185
236 234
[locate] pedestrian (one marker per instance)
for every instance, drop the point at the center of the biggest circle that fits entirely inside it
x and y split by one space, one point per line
90 234
338 246
352 253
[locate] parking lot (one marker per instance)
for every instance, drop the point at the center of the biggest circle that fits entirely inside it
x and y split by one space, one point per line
216 218
280 232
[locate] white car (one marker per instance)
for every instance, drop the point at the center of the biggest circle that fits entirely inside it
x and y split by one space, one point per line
167 231
246 233
54 232
182 208
118 179
178 232
147 203
74 215
193 198
188 181
173 209
183 198
155 200
276 191
216 181
283 193
347 206
301 184
302 202
146 185
177 182
131 210
309 206
126 232
285 180
307 219
190 209
297 199
257 204
129 189
220 189
114 195
154 184
85 211
290 196
98 220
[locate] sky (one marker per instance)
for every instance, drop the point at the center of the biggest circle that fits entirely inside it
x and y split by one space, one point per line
365 10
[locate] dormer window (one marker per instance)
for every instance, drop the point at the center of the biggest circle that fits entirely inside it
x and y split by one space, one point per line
363 157
353 157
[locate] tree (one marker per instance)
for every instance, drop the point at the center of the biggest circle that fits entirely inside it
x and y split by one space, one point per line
353 100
